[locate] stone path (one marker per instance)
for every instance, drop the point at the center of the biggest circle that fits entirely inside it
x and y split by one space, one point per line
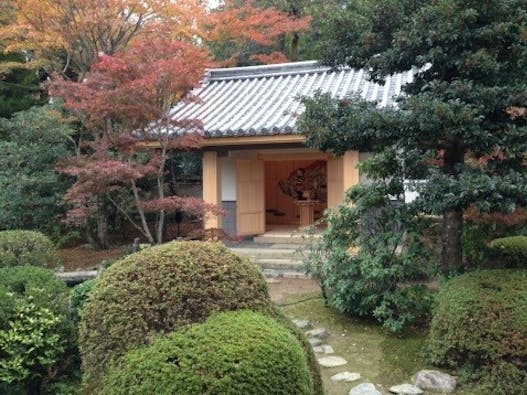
424 380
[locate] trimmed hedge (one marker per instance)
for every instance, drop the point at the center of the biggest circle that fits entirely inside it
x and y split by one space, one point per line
24 247
35 331
232 353
510 251
158 290
480 329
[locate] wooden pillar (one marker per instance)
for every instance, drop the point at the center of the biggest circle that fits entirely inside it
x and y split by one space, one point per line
212 186
350 170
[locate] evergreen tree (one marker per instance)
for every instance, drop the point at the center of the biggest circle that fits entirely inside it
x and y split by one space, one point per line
460 125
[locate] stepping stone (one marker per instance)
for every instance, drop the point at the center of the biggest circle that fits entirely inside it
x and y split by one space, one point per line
318 349
303 324
327 349
321 333
435 381
272 280
364 389
346 377
406 389
332 361
314 341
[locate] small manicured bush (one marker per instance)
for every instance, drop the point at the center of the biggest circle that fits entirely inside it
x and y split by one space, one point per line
24 247
158 290
35 331
232 353
311 359
479 329
510 251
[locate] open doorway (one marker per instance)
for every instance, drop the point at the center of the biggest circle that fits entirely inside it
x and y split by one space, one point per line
294 189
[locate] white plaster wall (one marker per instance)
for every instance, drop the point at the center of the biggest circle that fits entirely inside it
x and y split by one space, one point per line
228 179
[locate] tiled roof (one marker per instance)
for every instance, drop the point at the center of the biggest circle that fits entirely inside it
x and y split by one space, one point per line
264 100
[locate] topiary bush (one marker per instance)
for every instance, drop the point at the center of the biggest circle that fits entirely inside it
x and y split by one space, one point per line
479 329
311 359
158 290
510 251
35 331
232 353
24 247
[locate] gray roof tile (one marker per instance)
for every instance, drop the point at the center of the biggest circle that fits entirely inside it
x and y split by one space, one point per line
264 100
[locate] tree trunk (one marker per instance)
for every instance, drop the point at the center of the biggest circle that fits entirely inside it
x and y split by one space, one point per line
294 47
451 243
102 223
451 248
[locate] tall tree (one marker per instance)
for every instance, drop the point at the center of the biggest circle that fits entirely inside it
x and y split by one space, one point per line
460 125
127 100
31 142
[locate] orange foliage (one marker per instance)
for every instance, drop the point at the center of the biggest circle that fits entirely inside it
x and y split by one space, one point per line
272 58
63 35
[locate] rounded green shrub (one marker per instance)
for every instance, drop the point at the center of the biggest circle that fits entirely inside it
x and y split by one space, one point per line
158 290
510 251
479 329
24 247
35 331
232 353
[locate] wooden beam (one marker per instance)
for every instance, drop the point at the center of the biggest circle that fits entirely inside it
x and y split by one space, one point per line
237 141
212 186
350 170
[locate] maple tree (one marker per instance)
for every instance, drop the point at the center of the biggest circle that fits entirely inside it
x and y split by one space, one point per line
69 35
127 99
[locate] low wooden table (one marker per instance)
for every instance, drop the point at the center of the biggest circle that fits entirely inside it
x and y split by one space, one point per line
307 211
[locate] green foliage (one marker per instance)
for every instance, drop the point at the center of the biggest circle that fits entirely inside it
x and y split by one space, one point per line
24 247
469 63
370 253
159 289
31 344
35 332
478 329
80 294
475 246
510 251
19 88
232 353
32 142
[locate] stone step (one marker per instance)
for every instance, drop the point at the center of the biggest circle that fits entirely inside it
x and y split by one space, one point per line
280 264
270 239
268 253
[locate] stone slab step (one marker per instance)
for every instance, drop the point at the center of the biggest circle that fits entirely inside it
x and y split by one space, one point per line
268 253
280 264
280 240
273 274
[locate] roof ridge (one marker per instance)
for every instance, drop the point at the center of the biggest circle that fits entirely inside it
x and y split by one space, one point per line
307 66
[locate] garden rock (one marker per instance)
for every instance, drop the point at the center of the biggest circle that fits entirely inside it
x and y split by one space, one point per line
318 349
332 361
327 349
303 324
406 389
320 333
435 381
346 377
314 342
364 389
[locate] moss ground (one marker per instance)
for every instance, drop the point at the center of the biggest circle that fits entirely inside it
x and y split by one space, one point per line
381 358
